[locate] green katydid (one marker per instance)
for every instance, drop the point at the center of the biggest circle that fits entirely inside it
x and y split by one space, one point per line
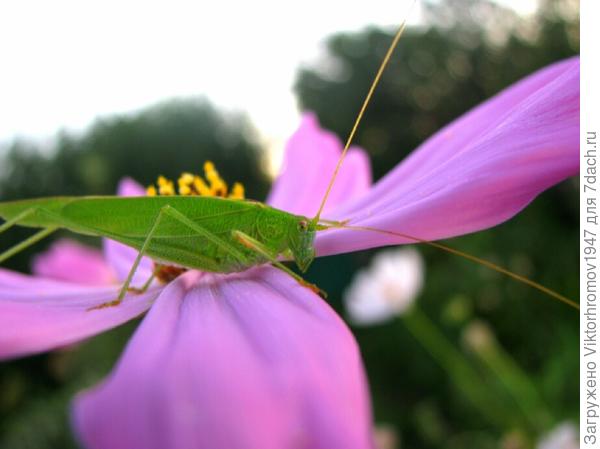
213 234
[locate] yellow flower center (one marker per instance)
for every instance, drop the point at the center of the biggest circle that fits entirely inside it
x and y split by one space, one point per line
189 184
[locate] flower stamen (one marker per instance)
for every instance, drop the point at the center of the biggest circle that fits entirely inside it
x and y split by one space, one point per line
165 186
189 184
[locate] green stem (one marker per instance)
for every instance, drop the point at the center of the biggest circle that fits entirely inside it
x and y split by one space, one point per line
516 383
459 369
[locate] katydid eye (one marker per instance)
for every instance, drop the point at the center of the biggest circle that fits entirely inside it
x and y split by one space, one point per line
302 225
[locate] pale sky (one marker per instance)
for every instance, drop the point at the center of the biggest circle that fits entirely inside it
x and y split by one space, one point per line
66 62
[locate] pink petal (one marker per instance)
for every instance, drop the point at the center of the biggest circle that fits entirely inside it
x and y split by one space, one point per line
37 315
477 172
310 159
252 361
70 261
129 187
121 257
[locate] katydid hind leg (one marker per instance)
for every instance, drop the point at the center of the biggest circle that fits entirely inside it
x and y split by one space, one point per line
26 243
175 214
16 249
15 221
255 245
44 232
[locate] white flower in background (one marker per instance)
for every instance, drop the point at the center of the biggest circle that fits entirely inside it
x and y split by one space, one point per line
386 437
563 436
386 288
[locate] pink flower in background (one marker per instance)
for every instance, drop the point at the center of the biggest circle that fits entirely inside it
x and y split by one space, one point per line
255 360
72 262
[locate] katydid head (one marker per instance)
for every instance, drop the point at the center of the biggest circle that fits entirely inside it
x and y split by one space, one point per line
301 242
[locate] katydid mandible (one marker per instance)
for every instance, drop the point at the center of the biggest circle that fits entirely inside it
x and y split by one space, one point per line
212 234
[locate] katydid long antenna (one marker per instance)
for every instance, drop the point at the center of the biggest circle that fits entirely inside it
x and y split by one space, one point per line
464 255
363 108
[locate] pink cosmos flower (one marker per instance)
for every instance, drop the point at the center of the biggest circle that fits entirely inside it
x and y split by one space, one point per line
254 360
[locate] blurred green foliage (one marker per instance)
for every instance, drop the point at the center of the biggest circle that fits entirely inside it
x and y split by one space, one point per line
472 50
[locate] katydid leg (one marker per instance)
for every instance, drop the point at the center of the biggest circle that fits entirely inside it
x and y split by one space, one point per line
176 215
15 221
136 262
146 285
26 243
257 246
